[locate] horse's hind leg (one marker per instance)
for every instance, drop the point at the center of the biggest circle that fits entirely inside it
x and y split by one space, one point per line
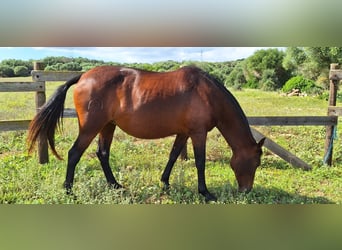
105 140
88 129
178 145
80 145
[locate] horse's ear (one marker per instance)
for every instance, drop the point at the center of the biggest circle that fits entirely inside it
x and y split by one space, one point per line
261 142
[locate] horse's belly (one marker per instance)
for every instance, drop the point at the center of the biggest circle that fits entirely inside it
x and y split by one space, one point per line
164 119
150 130
148 126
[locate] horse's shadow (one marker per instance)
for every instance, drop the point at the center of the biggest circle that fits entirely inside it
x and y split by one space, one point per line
179 193
228 193
262 195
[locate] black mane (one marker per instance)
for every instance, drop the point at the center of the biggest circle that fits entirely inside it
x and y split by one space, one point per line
227 92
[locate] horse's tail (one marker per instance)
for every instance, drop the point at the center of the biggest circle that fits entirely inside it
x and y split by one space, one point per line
49 117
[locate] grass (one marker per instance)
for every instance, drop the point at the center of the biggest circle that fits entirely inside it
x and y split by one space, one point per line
138 164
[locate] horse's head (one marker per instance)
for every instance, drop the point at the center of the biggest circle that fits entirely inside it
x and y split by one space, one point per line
244 164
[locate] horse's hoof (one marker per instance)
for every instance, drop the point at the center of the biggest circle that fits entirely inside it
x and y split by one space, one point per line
209 198
115 185
166 187
69 191
211 201
68 188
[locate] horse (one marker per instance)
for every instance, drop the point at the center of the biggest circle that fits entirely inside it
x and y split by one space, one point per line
187 102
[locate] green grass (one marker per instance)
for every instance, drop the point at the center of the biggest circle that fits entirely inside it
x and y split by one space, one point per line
138 164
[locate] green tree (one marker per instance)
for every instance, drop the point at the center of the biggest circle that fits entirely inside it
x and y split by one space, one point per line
71 66
294 56
311 62
222 70
54 67
51 68
266 67
236 77
6 71
21 71
270 59
269 80
53 60
165 66
87 66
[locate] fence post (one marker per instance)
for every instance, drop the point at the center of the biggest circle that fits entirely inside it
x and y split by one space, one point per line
43 154
328 148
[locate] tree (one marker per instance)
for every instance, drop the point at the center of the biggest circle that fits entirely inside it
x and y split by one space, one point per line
51 68
54 67
311 62
21 71
71 66
236 77
294 57
269 61
269 80
6 71
165 66
53 60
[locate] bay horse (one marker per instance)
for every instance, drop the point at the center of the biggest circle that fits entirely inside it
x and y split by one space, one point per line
187 103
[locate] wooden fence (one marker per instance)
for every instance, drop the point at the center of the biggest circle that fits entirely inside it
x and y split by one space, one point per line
39 78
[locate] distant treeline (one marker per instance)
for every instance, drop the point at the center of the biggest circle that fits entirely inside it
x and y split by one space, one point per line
267 69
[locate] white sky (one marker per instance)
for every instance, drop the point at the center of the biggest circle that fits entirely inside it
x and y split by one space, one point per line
131 54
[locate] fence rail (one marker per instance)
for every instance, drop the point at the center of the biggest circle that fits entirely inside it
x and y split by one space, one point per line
46 76
253 121
22 86
14 125
40 77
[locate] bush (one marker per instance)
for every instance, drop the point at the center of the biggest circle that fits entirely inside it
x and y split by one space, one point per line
268 85
303 84
269 79
6 71
236 77
251 84
21 71
71 66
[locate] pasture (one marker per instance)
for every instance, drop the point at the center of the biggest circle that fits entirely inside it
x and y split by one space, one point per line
138 164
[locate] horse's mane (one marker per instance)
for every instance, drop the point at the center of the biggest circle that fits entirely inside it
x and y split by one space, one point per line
222 88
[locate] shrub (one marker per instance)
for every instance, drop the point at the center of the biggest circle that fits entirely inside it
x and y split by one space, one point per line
269 79
303 84
21 71
71 66
268 85
6 71
251 84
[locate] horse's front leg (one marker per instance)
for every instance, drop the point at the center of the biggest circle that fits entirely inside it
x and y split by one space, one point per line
199 145
184 153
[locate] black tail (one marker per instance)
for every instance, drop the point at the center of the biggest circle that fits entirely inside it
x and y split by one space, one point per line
49 117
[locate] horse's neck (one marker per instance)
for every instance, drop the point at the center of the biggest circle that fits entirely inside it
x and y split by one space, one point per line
234 126
237 137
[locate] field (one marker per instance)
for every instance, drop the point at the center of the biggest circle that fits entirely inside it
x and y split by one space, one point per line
138 164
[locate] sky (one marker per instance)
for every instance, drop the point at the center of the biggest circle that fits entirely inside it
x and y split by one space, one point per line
132 54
